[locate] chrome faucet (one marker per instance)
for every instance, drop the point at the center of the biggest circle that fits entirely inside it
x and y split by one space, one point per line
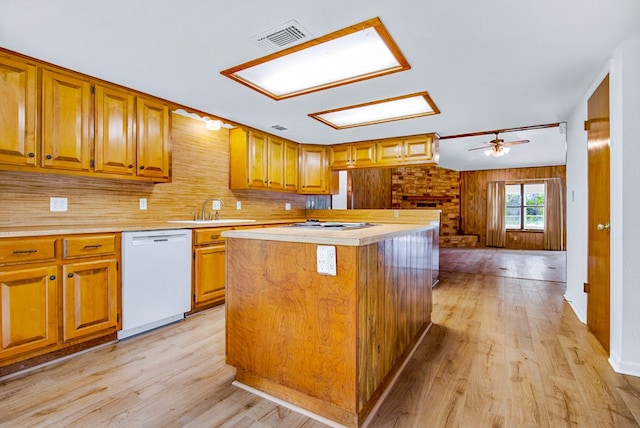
204 207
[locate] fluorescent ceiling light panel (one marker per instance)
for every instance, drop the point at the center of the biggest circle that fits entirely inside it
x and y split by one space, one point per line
359 52
388 110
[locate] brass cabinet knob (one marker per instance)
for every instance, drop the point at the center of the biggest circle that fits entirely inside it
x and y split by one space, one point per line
601 226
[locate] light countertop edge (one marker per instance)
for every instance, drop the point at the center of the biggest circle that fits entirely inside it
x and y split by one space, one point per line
352 238
47 230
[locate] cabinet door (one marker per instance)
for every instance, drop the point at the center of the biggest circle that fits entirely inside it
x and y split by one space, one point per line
315 176
389 152
66 112
153 139
290 166
90 294
363 154
28 310
340 156
418 149
17 112
275 165
210 275
114 139
257 160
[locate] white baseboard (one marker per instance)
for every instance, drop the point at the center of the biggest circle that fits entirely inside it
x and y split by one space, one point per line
624 367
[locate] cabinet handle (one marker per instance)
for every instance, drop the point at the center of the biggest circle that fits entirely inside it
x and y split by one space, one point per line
130 166
52 277
69 275
25 251
92 247
31 154
141 166
49 156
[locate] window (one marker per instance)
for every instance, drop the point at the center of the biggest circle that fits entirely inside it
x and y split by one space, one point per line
525 206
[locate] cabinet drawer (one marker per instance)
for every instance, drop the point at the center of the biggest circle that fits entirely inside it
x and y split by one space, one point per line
27 250
204 236
87 246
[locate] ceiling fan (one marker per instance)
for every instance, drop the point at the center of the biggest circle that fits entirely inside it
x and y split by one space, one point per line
497 147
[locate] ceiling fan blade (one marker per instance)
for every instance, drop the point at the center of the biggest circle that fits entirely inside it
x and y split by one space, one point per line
488 146
513 143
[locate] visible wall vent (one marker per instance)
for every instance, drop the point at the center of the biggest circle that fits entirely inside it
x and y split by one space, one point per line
279 127
285 35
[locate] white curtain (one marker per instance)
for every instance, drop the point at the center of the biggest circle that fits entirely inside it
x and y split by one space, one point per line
496 232
553 238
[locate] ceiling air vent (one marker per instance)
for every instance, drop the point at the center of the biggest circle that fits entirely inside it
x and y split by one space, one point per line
279 127
285 35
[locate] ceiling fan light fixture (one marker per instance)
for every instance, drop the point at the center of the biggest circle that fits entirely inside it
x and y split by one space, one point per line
497 151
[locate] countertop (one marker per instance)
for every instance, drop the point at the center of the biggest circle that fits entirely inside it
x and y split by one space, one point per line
24 231
354 238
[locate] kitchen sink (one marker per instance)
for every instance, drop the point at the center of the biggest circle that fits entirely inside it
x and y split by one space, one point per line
331 225
223 221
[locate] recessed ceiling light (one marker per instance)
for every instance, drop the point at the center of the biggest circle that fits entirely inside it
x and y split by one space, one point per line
387 110
355 53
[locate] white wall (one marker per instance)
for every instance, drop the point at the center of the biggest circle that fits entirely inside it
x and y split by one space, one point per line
577 209
625 208
624 71
339 201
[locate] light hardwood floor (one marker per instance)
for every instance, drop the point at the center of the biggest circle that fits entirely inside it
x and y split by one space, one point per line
503 352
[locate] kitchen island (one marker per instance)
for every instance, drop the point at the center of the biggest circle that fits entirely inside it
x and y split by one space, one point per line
330 344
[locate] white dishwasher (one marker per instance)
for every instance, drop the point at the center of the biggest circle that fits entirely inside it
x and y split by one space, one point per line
156 279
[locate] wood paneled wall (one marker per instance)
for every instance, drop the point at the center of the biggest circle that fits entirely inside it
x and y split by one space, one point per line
474 201
200 171
369 188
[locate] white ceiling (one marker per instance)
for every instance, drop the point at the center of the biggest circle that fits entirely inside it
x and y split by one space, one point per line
489 64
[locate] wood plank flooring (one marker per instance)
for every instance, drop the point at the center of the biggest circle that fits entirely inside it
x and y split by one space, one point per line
503 352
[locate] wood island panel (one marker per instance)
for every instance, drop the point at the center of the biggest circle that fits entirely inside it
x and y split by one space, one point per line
329 344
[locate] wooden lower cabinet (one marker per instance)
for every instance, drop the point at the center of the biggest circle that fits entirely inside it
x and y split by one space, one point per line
90 298
58 295
28 310
209 275
209 268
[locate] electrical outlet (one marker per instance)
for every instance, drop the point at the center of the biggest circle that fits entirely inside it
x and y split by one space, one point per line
216 205
287 206
57 204
238 205
143 203
396 213
326 259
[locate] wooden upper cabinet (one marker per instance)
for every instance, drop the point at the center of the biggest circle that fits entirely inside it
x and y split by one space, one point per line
417 149
389 152
55 119
290 166
258 160
114 131
275 166
315 175
261 161
363 154
18 102
357 155
28 310
66 113
153 139
340 156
